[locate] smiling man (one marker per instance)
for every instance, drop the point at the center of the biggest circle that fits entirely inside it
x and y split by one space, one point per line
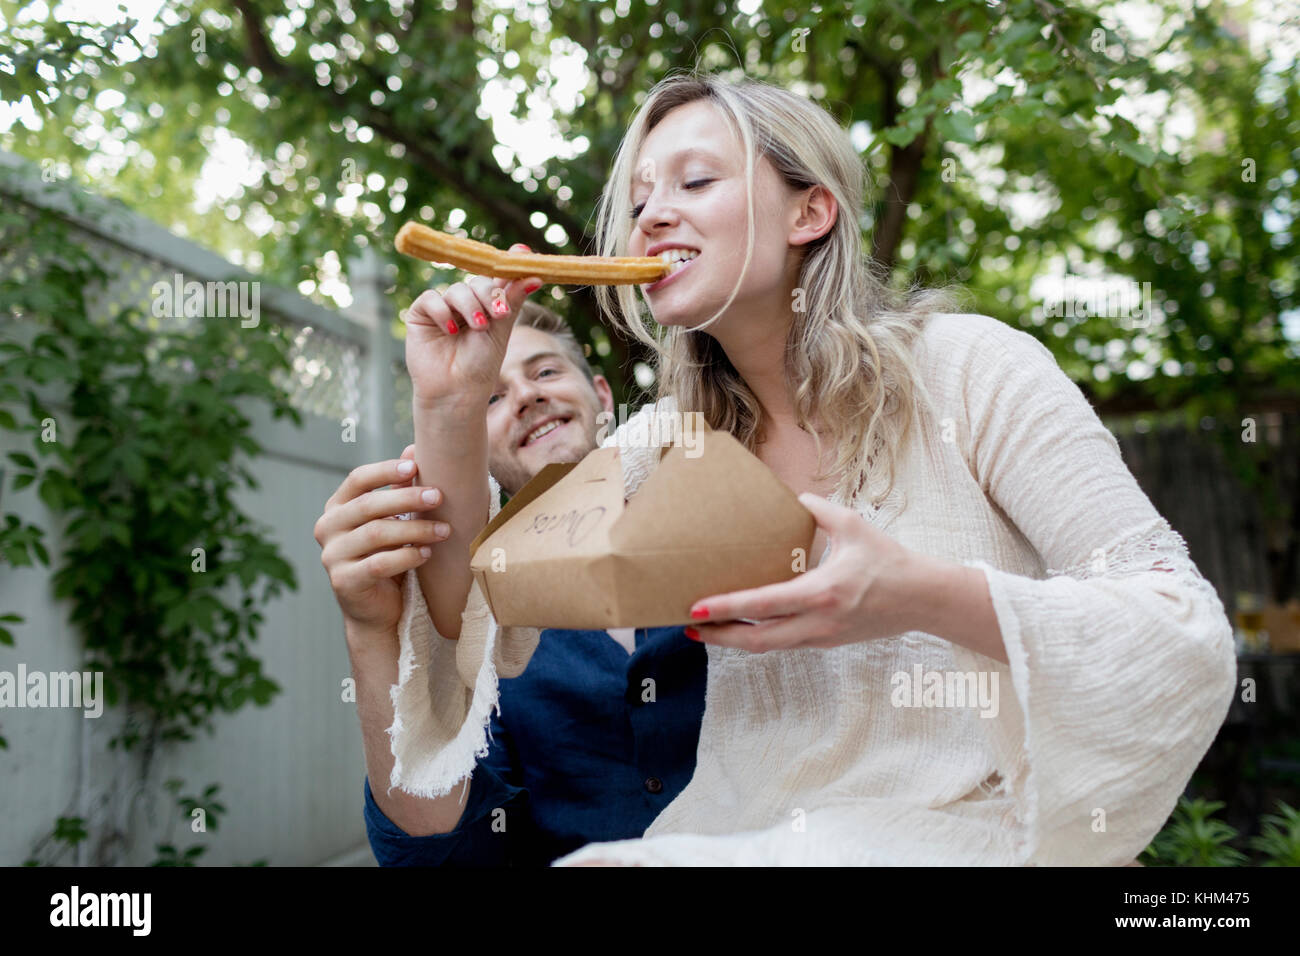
579 752
547 402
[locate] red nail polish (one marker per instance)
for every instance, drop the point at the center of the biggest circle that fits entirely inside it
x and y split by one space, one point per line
480 320
501 307
532 287
700 613
451 326
692 633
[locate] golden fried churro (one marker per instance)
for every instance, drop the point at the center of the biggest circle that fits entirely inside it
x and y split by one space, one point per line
414 239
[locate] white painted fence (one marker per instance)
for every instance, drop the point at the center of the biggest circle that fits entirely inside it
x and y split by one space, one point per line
291 773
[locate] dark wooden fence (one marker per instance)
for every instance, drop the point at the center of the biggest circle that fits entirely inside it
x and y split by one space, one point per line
1244 547
1240 543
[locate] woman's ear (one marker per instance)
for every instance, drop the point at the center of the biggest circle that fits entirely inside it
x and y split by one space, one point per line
817 212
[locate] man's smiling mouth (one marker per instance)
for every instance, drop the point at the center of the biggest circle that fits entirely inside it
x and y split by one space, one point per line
542 430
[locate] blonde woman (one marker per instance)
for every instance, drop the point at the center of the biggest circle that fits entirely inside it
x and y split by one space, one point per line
1000 653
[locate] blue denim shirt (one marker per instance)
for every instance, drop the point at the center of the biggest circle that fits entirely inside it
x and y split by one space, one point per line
590 744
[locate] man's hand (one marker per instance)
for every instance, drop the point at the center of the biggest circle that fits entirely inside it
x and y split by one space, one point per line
365 550
449 364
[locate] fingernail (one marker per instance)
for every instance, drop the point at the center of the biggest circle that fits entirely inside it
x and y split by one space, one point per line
480 320
429 496
501 307
425 551
700 613
405 468
451 326
692 633
520 245
532 287
441 530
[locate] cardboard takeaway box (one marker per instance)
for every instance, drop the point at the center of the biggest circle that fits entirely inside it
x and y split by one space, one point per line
568 551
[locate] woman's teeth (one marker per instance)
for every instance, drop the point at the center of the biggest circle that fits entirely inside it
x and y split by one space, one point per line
677 258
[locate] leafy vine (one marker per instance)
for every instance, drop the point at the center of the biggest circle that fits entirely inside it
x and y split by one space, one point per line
136 435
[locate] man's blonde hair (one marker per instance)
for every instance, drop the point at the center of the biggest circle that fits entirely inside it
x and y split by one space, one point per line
848 356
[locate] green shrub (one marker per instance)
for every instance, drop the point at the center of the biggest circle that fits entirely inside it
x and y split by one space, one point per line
1279 841
1192 837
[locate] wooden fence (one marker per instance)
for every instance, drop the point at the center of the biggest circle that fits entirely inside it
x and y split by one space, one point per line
1236 539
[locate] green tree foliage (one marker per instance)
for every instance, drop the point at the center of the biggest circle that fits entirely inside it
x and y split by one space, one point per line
388 97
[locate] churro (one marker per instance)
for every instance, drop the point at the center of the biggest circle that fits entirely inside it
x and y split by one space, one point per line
417 240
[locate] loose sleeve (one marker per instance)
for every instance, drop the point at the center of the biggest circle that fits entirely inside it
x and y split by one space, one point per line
1121 660
446 690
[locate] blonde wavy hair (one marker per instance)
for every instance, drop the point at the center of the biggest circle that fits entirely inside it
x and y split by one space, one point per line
849 352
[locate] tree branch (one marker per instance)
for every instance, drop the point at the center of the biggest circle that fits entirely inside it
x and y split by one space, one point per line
260 51
905 164
888 73
417 7
489 189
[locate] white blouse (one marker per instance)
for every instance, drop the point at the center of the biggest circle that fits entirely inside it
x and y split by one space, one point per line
912 750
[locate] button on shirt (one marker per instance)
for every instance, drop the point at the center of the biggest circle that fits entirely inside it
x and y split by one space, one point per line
590 744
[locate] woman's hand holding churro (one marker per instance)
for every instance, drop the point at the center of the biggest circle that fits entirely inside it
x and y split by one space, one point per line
424 243
447 367
450 363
